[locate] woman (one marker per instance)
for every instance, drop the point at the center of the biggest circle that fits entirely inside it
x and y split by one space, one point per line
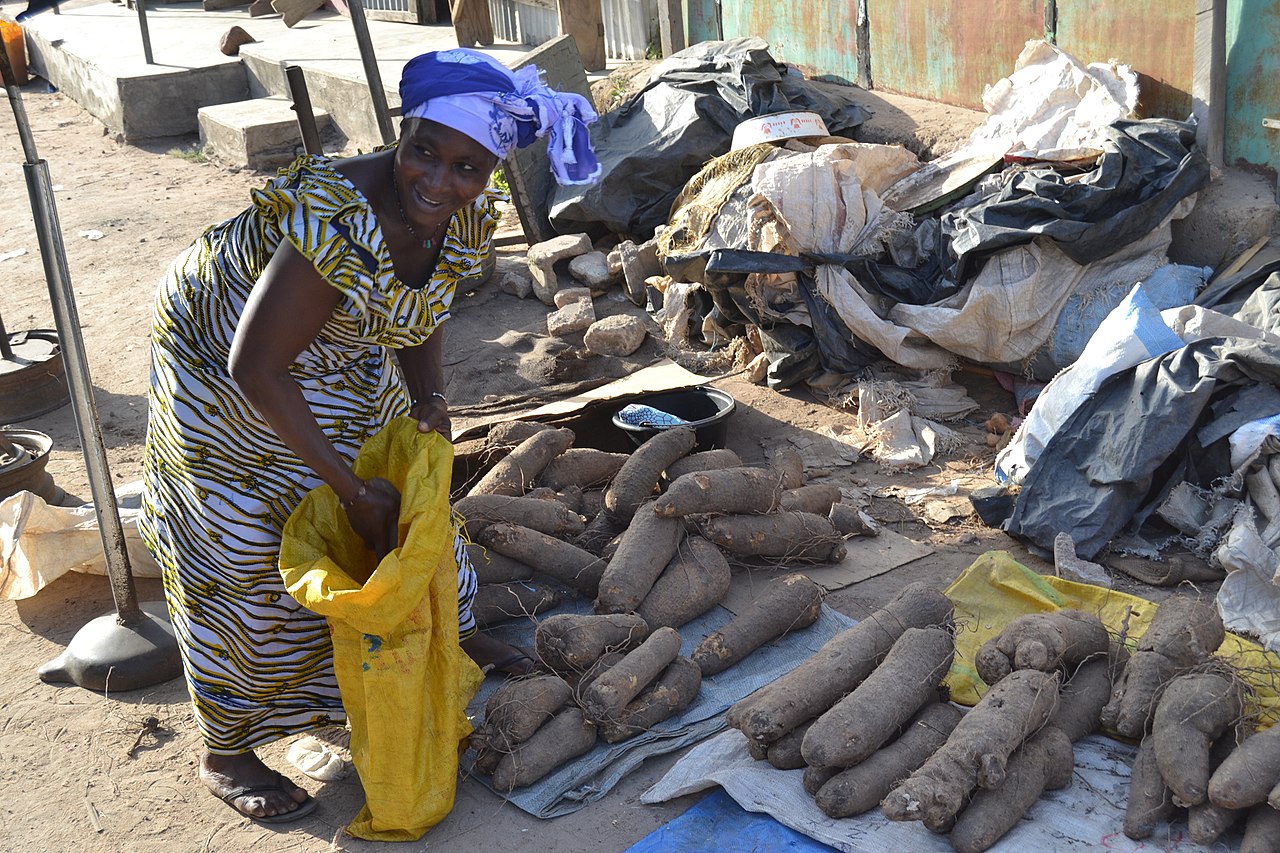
271 365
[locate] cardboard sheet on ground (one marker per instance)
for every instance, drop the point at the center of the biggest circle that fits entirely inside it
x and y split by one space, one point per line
593 775
666 375
867 557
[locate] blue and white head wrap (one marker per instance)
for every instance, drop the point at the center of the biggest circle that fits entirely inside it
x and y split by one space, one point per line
501 109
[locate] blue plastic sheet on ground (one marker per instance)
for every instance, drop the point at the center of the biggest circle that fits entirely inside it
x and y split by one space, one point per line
717 823
587 779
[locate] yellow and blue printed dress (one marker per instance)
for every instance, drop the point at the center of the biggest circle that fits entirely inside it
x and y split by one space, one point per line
220 485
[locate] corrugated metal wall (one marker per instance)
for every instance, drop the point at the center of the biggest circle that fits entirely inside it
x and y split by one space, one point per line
629 25
1253 81
817 34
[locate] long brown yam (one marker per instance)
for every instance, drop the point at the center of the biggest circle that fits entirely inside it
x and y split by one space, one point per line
1150 800
784 753
790 467
696 580
1206 821
785 604
599 532
1262 832
858 789
1044 763
1080 703
850 521
571 643
976 753
1193 712
548 555
506 436
732 490
863 721
499 602
546 516
839 666
674 690
816 777
780 536
636 480
565 736
582 467
492 567
1247 775
609 694
707 460
513 713
1043 641
644 550
514 474
817 499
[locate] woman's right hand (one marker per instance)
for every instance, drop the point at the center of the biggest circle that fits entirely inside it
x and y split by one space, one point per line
374 513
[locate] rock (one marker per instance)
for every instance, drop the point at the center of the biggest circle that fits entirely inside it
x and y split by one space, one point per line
620 334
570 295
232 39
638 263
542 259
258 8
758 370
571 318
520 286
592 269
293 11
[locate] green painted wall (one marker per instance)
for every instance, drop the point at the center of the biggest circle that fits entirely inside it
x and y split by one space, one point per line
1253 81
816 34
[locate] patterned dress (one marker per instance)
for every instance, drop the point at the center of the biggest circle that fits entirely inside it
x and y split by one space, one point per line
220 485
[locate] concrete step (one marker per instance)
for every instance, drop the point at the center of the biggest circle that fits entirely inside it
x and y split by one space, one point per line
258 134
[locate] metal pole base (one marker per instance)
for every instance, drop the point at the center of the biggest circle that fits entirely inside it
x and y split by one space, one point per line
106 656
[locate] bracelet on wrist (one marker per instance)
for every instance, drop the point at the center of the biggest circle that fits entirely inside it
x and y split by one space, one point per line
354 499
413 403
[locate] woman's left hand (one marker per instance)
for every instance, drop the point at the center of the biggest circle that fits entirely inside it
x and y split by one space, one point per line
433 414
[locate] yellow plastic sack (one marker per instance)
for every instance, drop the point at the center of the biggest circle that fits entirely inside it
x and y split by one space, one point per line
997 589
405 681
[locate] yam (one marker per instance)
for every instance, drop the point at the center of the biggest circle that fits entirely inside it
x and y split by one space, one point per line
1044 763
860 788
1182 634
901 685
758 751
816 777
564 737
675 690
498 602
1043 641
838 667
1247 776
599 532
492 567
1080 701
582 467
514 473
784 753
1262 831
707 460
572 643
729 490
849 521
609 694
546 516
817 499
644 550
976 753
636 481
1207 821
592 503
548 555
509 434
513 713
1193 712
597 669
1150 800
785 604
782 536
790 467
696 580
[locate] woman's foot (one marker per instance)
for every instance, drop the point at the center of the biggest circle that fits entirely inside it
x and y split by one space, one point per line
251 787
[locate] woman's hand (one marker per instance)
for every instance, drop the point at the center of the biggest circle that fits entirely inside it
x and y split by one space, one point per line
374 513
433 414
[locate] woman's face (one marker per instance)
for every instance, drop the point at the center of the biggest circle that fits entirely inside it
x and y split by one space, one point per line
440 171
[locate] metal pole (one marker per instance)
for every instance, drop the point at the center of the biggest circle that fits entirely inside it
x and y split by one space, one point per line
376 93
6 351
141 6
302 106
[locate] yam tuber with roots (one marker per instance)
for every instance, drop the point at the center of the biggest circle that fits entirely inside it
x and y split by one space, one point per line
492 567
838 667
498 602
907 680
572 643
817 499
1250 774
729 490
783 537
609 694
696 580
513 713
707 460
860 788
583 467
645 549
1150 800
785 604
1043 641
1193 712
850 521
1043 763
789 464
1207 821
784 753
506 436
1183 633
976 753
1082 697
548 555
673 691
638 477
546 516
564 737
514 473
1262 831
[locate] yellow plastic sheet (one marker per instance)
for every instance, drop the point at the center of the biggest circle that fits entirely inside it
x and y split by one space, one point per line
997 589
405 681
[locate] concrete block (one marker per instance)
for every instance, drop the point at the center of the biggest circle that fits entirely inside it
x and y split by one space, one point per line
569 295
258 134
592 269
571 318
638 263
1236 210
519 286
618 335
542 259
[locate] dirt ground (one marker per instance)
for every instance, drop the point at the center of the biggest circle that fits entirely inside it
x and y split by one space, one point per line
92 773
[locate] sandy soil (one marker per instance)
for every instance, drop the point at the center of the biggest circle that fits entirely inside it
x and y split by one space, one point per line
86 772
